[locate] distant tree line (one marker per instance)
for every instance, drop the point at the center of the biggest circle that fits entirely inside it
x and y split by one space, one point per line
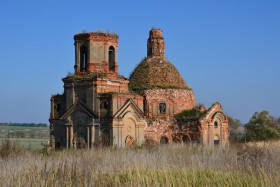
261 127
25 124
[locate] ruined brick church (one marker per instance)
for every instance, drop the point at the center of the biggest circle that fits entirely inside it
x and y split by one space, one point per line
100 107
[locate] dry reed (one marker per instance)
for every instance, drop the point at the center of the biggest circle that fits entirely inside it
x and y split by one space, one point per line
175 165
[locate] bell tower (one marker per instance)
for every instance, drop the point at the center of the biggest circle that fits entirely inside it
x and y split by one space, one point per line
155 44
96 53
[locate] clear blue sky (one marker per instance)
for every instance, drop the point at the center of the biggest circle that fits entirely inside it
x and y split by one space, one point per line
227 51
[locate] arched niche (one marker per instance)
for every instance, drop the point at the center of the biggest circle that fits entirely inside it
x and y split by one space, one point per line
129 127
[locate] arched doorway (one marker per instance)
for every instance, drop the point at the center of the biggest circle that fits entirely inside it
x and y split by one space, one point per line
216 140
129 141
81 142
58 143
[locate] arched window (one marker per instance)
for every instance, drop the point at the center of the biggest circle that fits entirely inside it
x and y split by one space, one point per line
83 59
216 124
111 58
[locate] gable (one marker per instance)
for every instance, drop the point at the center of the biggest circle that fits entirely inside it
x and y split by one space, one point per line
214 111
129 107
79 109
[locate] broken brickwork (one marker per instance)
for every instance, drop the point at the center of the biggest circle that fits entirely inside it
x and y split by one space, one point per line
155 44
176 101
170 129
94 49
99 107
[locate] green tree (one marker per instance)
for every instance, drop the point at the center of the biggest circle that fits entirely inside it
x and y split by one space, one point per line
262 126
234 124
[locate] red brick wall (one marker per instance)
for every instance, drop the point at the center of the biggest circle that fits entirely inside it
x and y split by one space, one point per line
120 99
97 37
173 130
176 101
107 86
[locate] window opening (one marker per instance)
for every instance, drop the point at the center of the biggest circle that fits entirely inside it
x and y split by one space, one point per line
83 59
58 107
111 58
216 124
104 105
162 108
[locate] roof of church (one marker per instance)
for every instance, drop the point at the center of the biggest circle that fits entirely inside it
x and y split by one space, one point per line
156 72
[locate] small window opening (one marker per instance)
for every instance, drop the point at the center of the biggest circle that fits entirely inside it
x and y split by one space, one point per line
58 107
162 108
149 50
158 50
104 105
83 59
111 58
216 124
152 50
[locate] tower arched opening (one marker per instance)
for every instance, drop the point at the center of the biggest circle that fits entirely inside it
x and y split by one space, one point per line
83 58
111 58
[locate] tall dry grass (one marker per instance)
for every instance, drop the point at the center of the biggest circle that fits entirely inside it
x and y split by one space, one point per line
239 165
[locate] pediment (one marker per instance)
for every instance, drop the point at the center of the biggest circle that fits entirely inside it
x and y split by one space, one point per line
214 111
129 107
79 107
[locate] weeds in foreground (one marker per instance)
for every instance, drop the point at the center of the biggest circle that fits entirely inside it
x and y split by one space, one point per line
8 148
179 165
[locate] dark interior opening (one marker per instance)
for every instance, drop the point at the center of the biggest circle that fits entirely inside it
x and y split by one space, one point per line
111 58
83 59
162 108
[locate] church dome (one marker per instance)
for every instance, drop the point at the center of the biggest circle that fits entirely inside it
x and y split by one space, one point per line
156 72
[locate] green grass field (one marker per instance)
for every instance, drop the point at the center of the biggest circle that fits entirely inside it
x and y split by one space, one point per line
24 132
27 137
22 128
28 143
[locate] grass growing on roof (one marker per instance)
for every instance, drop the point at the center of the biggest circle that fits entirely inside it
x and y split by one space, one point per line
190 115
